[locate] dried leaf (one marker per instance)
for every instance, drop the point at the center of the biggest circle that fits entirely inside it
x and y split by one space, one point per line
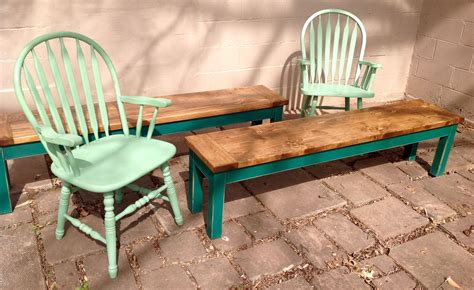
468 231
452 283
367 274
23 204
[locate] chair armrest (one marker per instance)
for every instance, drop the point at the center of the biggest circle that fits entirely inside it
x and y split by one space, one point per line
49 135
369 63
146 101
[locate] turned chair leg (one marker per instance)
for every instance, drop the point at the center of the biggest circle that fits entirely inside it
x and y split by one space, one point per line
110 233
347 104
314 104
170 190
62 209
359 103
118 196
305 106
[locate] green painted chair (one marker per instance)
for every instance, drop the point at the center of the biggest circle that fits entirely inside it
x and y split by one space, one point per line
77 138
329 70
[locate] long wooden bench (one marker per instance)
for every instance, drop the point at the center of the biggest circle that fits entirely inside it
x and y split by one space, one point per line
188 112
234 155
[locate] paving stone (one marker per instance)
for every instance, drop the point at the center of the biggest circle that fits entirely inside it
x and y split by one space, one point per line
215 274
466 153
318 249
396 281
456 162
147 256
389 218
50 214
412 169
182 247
453 189
428 145
144 181
266 259
164 214
462 229
357 188
94 197
74 242
38 186
415 194
238 202
179 170
382 265
464 136
293 194
261 225
20 264
233 236
295 283
392 155
98 274
136 226
382 170
339 279
433 258
467 174
172 277
344 232
329 169
66 275
24 171
21 213
352 160
48 201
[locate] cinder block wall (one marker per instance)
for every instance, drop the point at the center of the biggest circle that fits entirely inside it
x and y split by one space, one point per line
165 47
442 69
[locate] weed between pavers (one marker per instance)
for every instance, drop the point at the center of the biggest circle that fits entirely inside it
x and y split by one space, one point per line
46 268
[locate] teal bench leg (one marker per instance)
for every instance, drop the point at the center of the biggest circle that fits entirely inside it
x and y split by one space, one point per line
410 152
5 202
278 115
216 206
195 186
442 153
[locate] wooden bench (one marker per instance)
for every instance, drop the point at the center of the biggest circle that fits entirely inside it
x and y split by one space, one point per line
188 112
234 155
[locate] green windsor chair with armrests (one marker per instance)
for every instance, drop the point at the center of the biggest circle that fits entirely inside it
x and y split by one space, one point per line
328 69
83 157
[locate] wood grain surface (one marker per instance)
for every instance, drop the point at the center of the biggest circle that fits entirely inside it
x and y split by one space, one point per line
15 129
243 147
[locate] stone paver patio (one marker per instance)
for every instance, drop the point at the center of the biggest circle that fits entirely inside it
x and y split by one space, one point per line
374 221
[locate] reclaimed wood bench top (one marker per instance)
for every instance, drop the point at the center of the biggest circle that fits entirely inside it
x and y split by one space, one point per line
15 129
243 147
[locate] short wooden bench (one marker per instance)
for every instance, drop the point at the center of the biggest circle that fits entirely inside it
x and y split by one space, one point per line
188 112
234 155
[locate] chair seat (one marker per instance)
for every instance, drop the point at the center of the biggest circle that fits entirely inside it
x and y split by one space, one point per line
112 162
335 90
